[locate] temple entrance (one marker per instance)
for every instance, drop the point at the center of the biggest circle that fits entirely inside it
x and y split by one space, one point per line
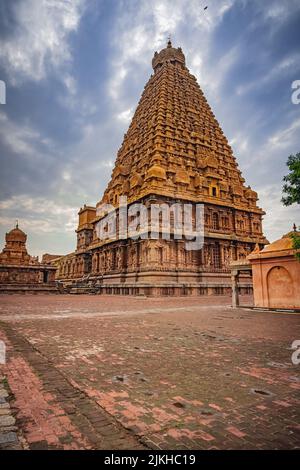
45 277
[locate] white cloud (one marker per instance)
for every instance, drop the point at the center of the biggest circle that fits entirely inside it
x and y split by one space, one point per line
137 34
20 139
42 43
41 39
41 215
167 15
211 76
66 176
275 147
278 219
70 84
278 10
126 115
284 137
206 19
284 68
117 80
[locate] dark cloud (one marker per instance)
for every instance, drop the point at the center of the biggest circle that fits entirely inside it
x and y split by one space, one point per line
8 22
69 104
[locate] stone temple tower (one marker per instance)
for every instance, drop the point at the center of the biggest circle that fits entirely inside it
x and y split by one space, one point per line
173 152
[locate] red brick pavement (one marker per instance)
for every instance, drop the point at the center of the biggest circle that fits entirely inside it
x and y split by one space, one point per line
121 372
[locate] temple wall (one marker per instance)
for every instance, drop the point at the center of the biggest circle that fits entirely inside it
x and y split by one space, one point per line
26 275
151 267
276 282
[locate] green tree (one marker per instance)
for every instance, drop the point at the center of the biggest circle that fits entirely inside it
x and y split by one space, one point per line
296 244
291 191
291 187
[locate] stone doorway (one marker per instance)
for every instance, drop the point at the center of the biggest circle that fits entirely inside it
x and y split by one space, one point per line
45 277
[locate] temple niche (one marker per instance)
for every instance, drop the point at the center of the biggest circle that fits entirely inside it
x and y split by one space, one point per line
173 152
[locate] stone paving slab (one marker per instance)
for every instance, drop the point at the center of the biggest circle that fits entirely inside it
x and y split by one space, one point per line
123 373
9 439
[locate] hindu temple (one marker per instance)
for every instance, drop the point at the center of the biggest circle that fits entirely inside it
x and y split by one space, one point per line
173 152
20 272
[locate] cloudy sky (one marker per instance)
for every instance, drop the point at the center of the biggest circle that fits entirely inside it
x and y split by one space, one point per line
75 69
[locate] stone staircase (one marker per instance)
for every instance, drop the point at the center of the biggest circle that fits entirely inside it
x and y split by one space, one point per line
82 288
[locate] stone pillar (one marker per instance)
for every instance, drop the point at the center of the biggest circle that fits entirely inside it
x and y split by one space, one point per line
235 288
233 249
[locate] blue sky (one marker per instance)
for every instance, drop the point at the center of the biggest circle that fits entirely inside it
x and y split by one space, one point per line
75 70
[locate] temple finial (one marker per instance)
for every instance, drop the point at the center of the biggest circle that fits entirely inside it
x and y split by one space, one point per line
169 43
17 223
295 228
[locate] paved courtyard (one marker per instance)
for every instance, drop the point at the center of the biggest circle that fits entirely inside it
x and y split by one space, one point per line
100 372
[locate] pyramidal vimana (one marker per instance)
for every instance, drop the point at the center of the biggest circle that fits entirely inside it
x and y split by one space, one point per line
173 152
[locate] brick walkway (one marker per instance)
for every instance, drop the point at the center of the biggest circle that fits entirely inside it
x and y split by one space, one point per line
131 373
